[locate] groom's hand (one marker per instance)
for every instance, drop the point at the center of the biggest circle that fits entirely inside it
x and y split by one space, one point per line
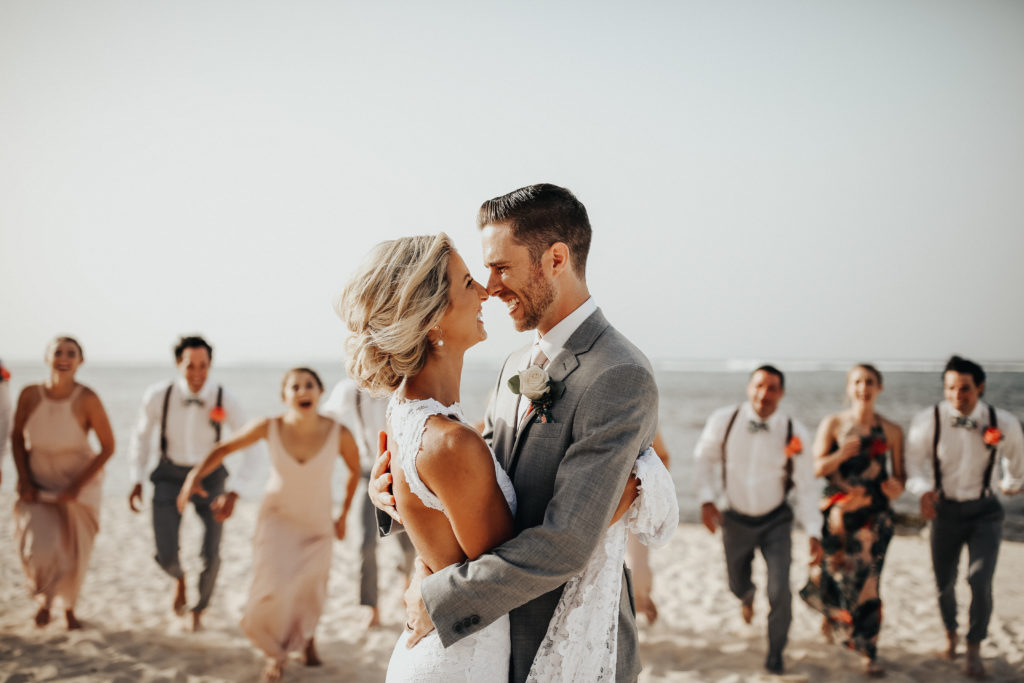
418 622
379 487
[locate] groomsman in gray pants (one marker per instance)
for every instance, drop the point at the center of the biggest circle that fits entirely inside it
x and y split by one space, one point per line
760 454
365 416
951 456
185 419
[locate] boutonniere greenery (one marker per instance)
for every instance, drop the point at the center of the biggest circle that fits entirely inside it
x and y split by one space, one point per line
217 415
535 384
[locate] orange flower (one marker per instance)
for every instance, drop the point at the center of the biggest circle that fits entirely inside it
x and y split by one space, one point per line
992 436
843 616
879 447
218 414
4 374
836 499
794 447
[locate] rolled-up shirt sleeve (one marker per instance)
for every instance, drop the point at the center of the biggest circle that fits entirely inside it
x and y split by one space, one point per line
1012 452
920 473
708 455
141 444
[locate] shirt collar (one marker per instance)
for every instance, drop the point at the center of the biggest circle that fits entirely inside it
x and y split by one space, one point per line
747 413
554 341
979 410
204 393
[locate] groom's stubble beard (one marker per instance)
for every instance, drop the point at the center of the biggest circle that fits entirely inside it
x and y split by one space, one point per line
535 299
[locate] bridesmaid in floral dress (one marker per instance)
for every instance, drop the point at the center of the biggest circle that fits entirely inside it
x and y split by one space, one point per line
850 451
294 531
60 480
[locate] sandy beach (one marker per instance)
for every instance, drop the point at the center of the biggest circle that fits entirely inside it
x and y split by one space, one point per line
131 634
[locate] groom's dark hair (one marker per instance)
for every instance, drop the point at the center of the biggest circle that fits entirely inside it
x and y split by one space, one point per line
539 216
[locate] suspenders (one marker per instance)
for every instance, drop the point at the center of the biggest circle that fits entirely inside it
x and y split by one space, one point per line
163 420
986 482
789 461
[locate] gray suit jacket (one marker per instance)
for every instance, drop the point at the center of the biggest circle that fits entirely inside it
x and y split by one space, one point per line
569 475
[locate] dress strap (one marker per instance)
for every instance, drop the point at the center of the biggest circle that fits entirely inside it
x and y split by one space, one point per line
408 420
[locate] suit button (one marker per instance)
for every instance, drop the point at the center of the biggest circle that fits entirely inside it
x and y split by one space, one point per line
467 622
458 627
475 620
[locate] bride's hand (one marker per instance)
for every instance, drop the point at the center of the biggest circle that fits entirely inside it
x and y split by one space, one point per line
379 487
418 621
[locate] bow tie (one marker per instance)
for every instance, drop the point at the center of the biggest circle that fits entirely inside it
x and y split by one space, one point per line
960 421
193 400
754 426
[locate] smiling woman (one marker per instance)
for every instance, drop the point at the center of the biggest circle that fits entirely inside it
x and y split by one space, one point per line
292 543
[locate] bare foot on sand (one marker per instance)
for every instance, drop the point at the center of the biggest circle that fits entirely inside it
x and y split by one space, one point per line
42 617
950 652
273 672
647 607
197 621
374 621
974 669
179 597
747 612
826 630
73 623
310 657
873 669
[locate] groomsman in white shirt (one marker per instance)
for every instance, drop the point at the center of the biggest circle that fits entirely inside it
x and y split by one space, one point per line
187 417
760 454
951 461
365 416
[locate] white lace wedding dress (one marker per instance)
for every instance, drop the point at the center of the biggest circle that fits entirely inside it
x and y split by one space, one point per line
581 639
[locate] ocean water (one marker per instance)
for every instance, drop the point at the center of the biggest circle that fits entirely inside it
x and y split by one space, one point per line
687 397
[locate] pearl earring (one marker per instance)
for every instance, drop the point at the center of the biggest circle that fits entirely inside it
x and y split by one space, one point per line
440 341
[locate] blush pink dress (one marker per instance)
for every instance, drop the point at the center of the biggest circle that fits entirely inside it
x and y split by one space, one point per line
55 539
291 549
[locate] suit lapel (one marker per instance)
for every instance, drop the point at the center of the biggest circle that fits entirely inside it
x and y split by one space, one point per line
559 368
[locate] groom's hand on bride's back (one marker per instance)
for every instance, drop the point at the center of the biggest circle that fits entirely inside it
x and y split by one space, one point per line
417 620
379 486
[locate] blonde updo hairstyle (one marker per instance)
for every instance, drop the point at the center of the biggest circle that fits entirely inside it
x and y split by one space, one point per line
396 296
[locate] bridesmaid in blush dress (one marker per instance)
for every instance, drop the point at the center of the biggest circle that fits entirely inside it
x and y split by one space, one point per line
60 480
294 529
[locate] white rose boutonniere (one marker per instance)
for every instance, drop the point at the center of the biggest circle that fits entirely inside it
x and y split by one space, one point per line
535 384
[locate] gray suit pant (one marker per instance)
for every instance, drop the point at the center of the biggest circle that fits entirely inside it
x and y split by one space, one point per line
368 554
978 524
771 534
167 480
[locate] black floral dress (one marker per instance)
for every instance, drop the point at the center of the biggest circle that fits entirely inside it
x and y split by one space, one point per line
856 529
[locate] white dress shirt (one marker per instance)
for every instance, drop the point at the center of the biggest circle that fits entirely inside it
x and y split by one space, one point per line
365 423
553 343
756 466
190 436
963 455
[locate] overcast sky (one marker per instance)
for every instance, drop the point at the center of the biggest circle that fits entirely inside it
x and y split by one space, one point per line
772 180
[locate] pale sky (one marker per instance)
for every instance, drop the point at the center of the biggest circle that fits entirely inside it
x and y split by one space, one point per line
775 180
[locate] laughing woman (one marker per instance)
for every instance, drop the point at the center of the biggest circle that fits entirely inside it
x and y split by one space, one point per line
292 543
850 451
60 479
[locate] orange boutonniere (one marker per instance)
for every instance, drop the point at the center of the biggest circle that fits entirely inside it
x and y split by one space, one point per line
4 374
992 436
794 447
218 414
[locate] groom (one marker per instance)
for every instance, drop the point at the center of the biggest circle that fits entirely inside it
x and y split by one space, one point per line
570 462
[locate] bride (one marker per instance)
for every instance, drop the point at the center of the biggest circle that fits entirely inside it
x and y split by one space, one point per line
413 310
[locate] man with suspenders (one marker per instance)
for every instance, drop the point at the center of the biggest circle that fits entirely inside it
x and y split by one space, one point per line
761 456
365 416
951 459
190 416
